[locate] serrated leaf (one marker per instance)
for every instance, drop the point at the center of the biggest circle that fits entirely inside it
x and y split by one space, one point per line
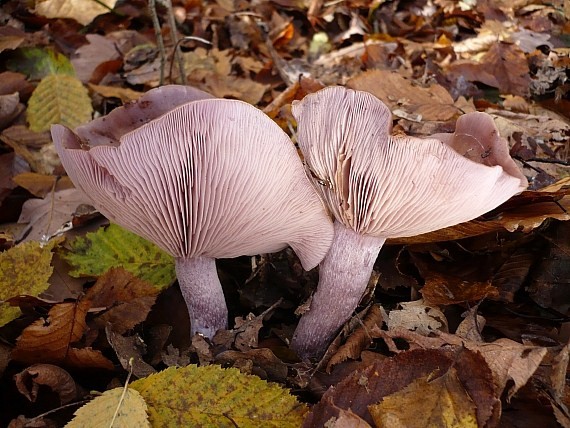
100 411
114 246
38 63
212 396
59 98
24 270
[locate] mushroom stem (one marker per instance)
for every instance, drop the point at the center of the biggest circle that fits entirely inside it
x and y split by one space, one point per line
343 277
203 294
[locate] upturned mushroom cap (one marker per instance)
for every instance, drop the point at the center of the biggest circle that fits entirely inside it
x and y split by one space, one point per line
109 129
211 178
388 186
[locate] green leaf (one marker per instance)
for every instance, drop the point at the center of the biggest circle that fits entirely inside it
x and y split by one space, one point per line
97 252
59 98
38 63
214 397
24 270
100 411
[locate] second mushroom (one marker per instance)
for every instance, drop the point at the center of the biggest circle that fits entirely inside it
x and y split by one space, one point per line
379 186
202 179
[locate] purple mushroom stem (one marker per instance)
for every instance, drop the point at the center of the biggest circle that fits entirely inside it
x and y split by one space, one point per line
203 294
344 275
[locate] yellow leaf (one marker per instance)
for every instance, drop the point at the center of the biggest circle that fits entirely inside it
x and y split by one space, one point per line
442 402
83 11
214 397
24 270
59 98
132 411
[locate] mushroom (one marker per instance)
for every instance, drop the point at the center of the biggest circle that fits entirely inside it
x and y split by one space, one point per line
208 179
379 186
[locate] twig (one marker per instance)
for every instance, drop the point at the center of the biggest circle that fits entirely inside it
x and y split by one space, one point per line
124 392
556 161
159 39
174 35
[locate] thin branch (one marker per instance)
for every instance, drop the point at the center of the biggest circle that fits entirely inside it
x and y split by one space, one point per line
159 39
174 35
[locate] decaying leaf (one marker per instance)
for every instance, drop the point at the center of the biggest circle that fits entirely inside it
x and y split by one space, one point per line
116 407
427 402
51 340
51 215
125 300
24 270
113 246
417 316
57 379
212 396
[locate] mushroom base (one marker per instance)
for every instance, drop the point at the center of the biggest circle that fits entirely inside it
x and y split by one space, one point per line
202 291
343 276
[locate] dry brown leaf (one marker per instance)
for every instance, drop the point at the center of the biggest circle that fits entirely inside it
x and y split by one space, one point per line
89 56
431 103
504 67
447 289
51 340
45 217
124 94
130 351
235 87
35 147
417 316
359 340
263 363
57 379
127 300
40 185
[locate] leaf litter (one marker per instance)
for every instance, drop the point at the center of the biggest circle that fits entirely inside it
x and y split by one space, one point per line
489 341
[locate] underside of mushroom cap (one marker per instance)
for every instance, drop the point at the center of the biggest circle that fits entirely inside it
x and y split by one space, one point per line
109 129
390 186
212 178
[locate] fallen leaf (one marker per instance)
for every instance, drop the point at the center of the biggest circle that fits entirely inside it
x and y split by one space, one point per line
87 57
24 270
124 94
126 300
447 289
130 351
427 402
359 340
40 184
36 148
397 92
212 396
51 340
114 246
417 316
504 67
57 379
83 11
45 217
116 407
